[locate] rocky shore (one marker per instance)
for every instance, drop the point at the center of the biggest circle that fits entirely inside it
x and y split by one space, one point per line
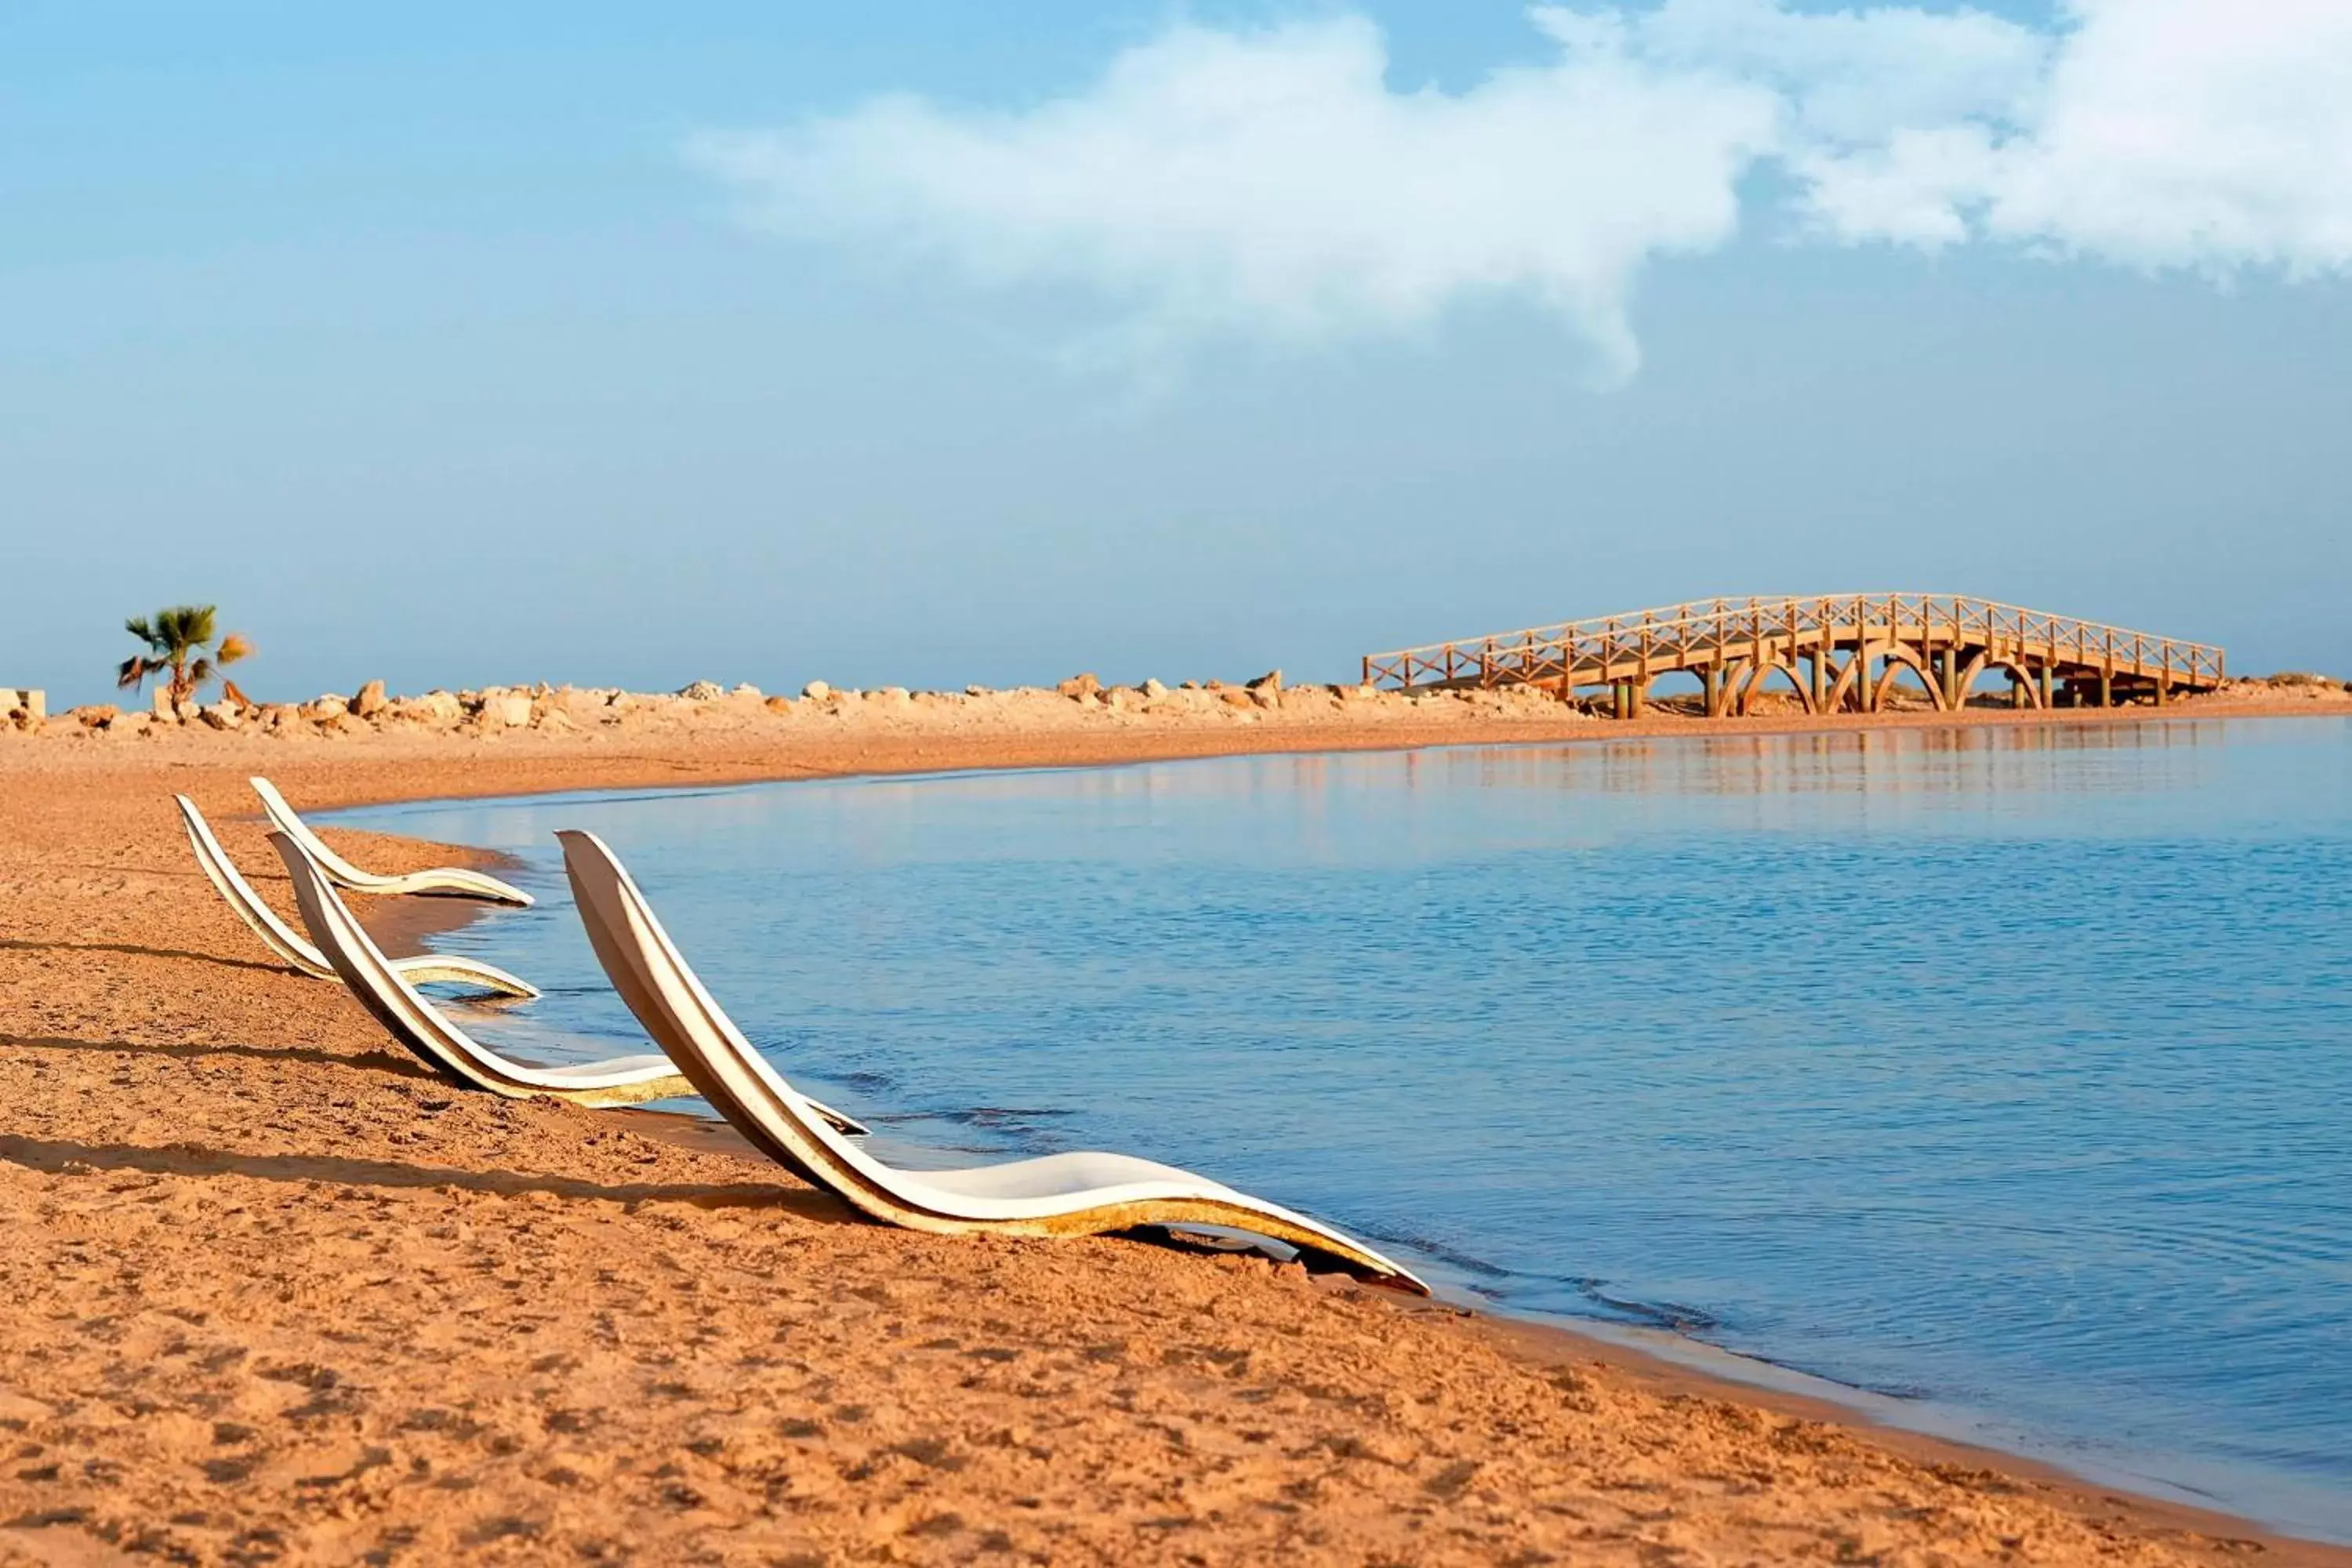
1078 704
573 710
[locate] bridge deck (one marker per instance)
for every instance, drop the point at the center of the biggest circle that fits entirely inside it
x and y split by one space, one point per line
1837 651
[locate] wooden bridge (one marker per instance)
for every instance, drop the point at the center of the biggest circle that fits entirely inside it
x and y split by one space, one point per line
1840 651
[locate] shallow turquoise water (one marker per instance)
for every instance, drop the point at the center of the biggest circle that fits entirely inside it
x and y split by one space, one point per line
2008 1071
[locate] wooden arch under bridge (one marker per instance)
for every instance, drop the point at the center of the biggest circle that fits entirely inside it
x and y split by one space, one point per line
1839 652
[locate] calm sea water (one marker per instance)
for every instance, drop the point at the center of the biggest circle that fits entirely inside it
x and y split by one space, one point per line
2006 1072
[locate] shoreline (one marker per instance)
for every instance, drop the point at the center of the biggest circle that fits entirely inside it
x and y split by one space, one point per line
1683 1368
1695 1368
1553 1349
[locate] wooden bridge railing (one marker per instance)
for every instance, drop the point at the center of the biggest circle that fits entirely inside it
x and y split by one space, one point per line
1947 640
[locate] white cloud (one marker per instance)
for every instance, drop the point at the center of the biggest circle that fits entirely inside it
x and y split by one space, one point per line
1274 182
2209 135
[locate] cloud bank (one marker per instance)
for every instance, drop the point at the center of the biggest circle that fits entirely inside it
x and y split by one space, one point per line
1275 184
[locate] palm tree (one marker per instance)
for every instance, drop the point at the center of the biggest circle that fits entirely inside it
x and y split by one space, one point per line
180 644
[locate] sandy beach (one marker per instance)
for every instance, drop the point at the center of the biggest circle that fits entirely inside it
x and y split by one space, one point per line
280 1295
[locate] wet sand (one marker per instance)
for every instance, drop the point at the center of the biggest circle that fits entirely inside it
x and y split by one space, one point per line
277 1294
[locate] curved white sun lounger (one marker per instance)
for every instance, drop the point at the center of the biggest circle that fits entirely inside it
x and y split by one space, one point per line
448 882
419 1026
281 940
1059 1195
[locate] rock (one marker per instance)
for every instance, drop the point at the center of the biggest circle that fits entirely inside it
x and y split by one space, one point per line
895 697
96 716
779 704
507 710
32 704
161 706
555 721
1153 692
281 715
328 705
816 692
703 691
976 691
370 701
1078 687
1235 697
1270 682
187 713
221 715
748 692
441 707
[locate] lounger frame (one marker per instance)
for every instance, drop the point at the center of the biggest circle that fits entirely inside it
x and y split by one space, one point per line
442 881
299 954
1056 1195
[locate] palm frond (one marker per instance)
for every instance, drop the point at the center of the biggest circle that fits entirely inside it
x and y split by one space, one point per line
133 671
137 626
188 626
233 646
199 672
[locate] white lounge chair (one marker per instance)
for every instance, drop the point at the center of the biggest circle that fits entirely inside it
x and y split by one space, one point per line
419 1024
1058 1195
448 882
281 940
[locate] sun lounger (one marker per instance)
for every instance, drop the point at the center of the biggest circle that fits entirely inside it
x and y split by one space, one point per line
1058 1195
419 1024
448 882
281 939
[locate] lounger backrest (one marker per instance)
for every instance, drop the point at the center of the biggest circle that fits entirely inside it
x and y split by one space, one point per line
669 1000
222 872
282 816
354 956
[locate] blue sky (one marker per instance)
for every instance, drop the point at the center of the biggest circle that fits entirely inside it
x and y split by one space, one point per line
454 345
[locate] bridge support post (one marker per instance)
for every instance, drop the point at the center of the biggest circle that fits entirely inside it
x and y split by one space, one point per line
1710 681
2049 697
2162 683
2106 688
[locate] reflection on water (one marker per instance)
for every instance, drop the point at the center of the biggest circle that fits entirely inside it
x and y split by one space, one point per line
2002 1069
